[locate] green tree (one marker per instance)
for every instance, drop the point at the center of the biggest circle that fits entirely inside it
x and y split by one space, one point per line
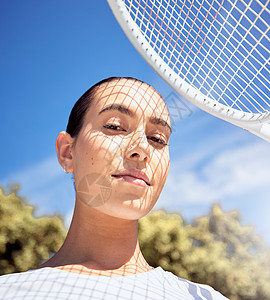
25 241
215 249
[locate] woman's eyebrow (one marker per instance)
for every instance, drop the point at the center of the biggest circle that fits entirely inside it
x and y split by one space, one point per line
161 122
118 107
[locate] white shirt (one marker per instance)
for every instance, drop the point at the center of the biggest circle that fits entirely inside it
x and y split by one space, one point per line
50 283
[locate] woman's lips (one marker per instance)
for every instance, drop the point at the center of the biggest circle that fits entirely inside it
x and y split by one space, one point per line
131 179
133 176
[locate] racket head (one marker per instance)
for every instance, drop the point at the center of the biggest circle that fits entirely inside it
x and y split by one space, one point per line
239 91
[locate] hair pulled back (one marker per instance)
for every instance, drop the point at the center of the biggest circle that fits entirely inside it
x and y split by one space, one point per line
79 110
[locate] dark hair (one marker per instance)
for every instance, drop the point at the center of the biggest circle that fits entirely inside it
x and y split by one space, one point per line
79 110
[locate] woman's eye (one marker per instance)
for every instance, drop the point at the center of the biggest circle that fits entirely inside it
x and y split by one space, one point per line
114 127
157 140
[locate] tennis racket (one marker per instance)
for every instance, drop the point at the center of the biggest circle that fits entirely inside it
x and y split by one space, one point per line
214 53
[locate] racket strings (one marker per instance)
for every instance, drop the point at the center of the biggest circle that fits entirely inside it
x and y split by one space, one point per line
244 76
239 91
155 38
245 58
177 58
219 47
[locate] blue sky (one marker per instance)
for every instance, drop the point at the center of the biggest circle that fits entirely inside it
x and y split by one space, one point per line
51 52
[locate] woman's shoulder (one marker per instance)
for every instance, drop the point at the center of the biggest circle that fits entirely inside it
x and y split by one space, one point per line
26 277
44 283
197 290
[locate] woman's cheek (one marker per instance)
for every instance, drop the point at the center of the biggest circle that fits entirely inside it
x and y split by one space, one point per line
110 151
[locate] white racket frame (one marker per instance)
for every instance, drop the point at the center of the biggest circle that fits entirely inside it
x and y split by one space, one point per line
256 123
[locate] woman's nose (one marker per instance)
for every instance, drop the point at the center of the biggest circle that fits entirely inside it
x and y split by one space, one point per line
138 148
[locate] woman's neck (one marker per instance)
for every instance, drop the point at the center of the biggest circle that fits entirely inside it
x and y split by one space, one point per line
98 244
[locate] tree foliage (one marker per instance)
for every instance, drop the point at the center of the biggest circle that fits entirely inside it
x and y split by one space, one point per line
216 250
25 241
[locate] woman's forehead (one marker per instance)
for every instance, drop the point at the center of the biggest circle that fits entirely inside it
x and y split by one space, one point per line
132 94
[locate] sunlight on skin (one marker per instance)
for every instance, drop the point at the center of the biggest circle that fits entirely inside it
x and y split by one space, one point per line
120 161
112 150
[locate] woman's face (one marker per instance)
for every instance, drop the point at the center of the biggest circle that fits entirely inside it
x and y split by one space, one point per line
121 158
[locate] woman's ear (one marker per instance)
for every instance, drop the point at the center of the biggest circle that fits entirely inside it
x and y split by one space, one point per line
63 145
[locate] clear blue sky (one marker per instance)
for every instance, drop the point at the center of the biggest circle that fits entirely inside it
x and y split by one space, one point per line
50 53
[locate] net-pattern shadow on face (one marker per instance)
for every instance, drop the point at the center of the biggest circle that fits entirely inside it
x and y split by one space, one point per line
129 100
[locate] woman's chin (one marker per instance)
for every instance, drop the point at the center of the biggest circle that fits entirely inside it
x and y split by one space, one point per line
129 207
